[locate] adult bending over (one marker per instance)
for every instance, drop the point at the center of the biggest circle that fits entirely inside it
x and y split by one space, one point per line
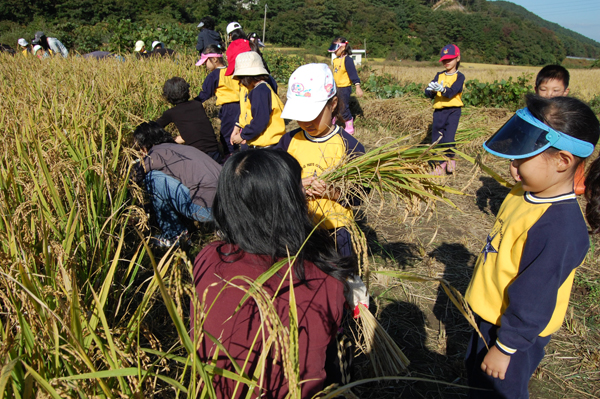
261 216
180 179
50 44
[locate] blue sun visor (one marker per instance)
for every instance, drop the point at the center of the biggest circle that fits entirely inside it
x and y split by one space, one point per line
525 136
334 46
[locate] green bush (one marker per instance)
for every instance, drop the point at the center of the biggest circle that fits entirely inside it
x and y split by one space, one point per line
386 86
282 65
504 94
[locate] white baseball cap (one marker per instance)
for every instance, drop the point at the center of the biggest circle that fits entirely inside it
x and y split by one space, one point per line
36 48
156 43
201 24
309 89
233 26
22 42
139 45
249 64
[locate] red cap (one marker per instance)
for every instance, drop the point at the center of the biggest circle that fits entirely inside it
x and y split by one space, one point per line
235 48
449 51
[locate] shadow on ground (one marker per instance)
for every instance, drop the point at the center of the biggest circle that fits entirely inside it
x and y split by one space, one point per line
408 326
490 195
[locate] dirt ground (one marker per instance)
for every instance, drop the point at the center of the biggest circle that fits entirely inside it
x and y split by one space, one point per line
445 243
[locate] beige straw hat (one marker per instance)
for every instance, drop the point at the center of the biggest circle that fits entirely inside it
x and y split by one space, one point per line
249 64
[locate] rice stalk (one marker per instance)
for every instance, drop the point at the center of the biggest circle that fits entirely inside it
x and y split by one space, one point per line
396 169
386 357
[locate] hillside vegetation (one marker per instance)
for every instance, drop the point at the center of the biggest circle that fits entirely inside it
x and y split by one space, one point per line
575 44
395 29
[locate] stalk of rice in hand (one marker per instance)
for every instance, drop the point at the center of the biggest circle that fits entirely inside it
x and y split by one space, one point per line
394 168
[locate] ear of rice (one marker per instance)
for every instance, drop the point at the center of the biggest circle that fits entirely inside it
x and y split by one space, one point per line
397 169
385 356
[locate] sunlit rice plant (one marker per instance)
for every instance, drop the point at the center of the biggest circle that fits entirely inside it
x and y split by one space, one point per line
396 171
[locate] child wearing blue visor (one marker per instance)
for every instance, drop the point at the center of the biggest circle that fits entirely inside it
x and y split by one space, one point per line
523 277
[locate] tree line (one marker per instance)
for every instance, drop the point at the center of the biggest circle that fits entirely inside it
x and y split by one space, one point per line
395 29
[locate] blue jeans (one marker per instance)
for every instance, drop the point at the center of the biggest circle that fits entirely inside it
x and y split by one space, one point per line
171 200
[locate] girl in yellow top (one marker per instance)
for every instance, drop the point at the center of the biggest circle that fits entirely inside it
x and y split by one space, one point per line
344 73
318 146
260 124
225 88
522 280
446 90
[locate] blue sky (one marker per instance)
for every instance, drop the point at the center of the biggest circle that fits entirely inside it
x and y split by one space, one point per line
581 16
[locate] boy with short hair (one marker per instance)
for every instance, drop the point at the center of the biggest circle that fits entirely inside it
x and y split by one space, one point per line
552 81
190 118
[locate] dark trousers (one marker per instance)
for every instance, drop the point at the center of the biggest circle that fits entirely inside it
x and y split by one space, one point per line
445 124
344 95
216 155
343 241
229 114
521 368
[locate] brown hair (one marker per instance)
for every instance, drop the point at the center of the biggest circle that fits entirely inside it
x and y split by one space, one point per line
252 80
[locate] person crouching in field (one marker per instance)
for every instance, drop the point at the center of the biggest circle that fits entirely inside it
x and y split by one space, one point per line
261 218
180 179
446 90
522 279
260 123
312 100
39 52
190 118
24 47
225 88
51 45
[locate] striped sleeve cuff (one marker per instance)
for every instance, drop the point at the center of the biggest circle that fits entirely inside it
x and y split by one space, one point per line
505 349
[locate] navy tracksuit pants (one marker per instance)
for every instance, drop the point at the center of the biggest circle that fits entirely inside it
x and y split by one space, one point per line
445 124
229 114
344 95
520 369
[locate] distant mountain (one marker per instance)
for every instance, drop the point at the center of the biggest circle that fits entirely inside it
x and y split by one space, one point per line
576 45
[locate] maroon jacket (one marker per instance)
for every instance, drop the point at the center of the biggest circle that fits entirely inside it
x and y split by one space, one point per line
319 304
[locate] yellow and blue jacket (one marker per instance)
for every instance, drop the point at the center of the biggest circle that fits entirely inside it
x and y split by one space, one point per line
523 277
344 72
260 115
224 87
317 155
452 95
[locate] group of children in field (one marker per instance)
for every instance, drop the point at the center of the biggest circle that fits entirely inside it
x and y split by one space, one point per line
521 283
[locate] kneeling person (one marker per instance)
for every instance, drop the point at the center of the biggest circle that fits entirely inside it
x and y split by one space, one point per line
181 180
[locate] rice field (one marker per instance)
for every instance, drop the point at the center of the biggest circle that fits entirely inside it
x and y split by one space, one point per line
87 309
